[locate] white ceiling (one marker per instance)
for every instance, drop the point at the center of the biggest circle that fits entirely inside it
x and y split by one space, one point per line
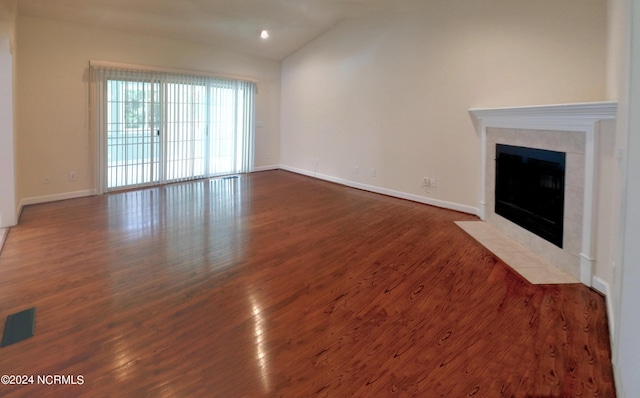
234 23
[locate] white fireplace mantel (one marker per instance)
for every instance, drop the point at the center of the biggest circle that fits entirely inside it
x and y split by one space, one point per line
581 118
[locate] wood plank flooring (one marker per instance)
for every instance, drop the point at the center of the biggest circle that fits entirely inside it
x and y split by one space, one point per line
278 285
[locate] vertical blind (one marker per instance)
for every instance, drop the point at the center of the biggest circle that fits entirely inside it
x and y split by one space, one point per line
160 127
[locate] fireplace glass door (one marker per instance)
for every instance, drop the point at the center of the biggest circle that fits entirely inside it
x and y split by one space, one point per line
530 189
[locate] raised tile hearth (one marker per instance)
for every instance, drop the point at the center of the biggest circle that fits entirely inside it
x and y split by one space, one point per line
530 266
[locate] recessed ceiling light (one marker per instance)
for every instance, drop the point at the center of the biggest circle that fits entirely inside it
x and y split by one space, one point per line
264 34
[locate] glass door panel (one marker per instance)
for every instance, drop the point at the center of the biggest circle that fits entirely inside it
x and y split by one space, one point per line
133 133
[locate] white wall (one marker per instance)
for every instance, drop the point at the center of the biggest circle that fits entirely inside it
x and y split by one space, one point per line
622 64
606 220
52 96
7 159
391 93
626 293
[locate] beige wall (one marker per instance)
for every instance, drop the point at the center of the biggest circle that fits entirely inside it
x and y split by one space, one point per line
52 96
391 93
617 28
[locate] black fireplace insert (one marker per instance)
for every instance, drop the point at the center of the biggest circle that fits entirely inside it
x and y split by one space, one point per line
530 189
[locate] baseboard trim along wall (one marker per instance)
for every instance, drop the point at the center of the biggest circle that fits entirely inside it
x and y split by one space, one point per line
53 198
266 168
602 286
3 237
389 192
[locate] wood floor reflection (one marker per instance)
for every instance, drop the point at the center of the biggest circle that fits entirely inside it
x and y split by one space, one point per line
275 284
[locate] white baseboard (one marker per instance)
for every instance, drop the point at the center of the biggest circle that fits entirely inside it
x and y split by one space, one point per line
3 237
389 192
602 286
53 198
266 168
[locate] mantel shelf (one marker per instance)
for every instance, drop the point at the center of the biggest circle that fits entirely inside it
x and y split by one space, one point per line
568 116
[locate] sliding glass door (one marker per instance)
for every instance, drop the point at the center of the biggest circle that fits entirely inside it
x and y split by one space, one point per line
157 128
133 133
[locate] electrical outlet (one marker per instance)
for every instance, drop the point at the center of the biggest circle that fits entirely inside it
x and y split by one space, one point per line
45 179
356 170
432 182
426 184
72 176
373 172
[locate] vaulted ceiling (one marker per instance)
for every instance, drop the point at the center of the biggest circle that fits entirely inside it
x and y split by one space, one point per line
233 23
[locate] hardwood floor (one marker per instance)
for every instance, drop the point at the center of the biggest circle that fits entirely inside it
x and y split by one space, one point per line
275 284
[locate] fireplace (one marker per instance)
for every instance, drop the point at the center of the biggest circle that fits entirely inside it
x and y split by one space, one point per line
529 189
585 134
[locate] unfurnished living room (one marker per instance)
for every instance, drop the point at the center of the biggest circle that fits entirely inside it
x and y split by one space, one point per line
345 198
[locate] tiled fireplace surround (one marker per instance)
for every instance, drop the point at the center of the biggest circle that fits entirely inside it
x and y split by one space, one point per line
571 128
